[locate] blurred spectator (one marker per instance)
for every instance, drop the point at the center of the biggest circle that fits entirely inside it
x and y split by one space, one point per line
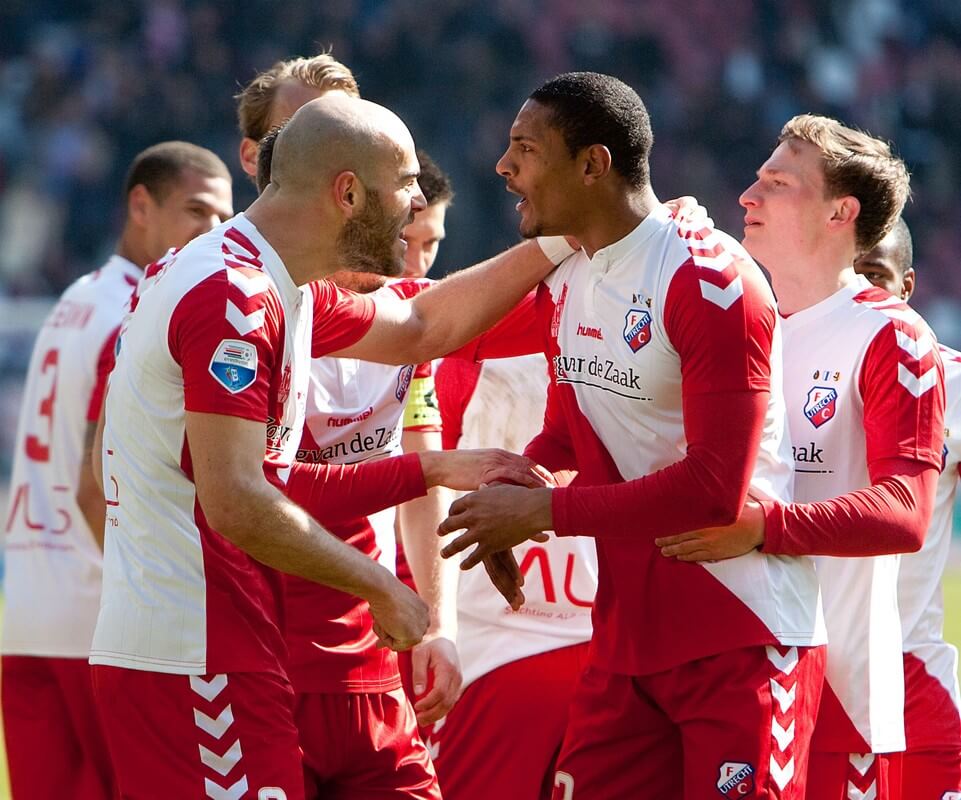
84 85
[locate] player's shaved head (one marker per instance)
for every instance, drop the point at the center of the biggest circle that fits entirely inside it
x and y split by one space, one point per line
335 134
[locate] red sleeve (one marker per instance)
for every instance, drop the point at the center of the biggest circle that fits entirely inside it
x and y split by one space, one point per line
721 323
705 489
334 493
341 317
105 362
517 334
890 516
454 383
902 385
552 448
226 343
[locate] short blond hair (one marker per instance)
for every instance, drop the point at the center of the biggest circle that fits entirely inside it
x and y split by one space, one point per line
860 165
254 102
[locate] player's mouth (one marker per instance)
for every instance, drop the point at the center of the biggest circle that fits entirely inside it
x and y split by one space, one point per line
750 222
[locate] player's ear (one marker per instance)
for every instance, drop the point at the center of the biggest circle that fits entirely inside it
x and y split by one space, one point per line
597 162
139 203
248 156
846 210
349 194
907 284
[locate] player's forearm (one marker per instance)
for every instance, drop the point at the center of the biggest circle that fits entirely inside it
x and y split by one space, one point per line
334 493
275 531
890 516
435 577
705 489
467 303
90 501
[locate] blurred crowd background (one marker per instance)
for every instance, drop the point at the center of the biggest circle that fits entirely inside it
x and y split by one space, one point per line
86 84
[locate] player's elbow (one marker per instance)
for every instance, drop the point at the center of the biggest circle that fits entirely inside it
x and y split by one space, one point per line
226 509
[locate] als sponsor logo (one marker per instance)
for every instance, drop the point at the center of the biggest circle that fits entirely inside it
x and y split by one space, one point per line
403 382
736 779
637 328
234 365
821 405
574 368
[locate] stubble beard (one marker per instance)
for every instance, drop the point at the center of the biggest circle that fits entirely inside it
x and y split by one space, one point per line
368 242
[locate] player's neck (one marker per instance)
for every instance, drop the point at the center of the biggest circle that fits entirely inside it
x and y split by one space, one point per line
798 289
614 218
306 258
133 249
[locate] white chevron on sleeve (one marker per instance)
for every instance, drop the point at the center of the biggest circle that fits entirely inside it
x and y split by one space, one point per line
861 762
916 348
244 323
222 764
856 794
785 663
784 697
215 727
248 284
208 690
718 263
917 386
782 775
218 792
782 736
722 297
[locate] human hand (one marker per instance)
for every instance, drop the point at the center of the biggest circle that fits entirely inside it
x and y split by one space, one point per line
686 210
435 658
469 469
717 544
506 575
496 518
400 617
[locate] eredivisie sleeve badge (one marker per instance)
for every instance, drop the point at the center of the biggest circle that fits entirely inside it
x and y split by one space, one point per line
234 365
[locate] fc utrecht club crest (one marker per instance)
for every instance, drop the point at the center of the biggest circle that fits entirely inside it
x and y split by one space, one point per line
234 365
821 405
736 779
637 328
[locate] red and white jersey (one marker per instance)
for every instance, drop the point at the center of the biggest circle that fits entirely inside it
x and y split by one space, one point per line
501 404
859 368
222 329
920 600
53 563
664 305
355 412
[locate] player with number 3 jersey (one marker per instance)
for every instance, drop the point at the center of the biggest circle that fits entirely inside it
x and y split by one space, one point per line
174 191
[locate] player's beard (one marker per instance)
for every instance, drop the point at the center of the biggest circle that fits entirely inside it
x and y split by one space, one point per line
369 241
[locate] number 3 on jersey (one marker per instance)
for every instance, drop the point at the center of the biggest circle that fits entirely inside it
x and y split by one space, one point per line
38 445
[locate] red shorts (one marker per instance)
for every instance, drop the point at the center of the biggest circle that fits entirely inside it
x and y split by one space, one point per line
732 725
225 737
932 763
513 717
55 742
363 747
931 775
845 776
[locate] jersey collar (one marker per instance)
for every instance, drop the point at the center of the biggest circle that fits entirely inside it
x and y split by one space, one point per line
612 254
273 265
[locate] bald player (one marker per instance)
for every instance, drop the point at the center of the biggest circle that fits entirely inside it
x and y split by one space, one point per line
358 730
204 415
932 723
